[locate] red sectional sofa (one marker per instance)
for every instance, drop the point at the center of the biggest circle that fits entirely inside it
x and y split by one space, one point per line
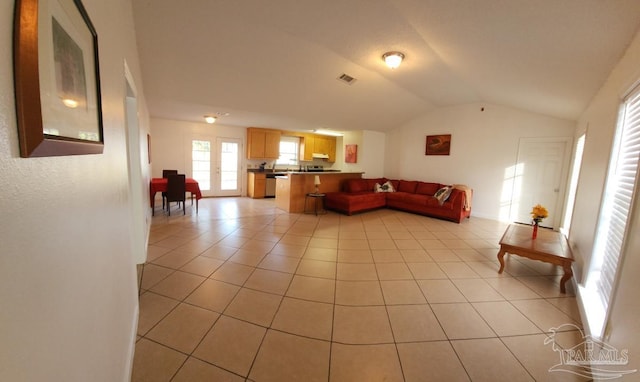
358 195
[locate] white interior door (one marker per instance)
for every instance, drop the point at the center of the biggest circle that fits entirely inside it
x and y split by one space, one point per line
542 166
227 167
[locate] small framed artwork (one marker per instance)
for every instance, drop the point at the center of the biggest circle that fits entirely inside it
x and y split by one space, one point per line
438 144
57 79
351 153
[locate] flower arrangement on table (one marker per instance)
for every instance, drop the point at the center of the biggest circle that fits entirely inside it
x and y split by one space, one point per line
537 214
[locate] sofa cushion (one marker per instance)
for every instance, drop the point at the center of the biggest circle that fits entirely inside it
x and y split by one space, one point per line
425 188
385 187
443 194
407 186
356 185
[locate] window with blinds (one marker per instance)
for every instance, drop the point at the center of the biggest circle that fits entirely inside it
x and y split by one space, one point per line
616 206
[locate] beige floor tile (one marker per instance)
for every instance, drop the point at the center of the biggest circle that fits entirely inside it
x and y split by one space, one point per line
542 286
317 268
353 272
503 365
174 259
477 290
461 321
304 318
512 289
414 323
279 263
426 271
296 240
322 254
355 256
213 295
400 292
364 363
361 325
269 281
154 252
415 256
434 244
231 344
247 257
538 358
358 293
443 255
542 313
469 255
219 252
195 370
153 274
289 250
393 271
312 289
382 244
232 273
407 244
401 235
155 362
260 246
178 285
285 357
440 291
183 328
202 266
505 319
317 242
353 244
458 270
431 361
568 305
387 256
153 308
254 306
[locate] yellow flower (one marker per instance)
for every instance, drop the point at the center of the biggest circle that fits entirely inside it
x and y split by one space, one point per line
539 212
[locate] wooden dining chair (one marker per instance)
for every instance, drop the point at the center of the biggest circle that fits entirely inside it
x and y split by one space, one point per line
176 191
165 174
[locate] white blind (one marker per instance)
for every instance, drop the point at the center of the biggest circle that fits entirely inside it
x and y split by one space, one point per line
619 191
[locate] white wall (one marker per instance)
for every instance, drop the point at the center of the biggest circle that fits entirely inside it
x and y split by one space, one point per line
484 145
599 120
67 275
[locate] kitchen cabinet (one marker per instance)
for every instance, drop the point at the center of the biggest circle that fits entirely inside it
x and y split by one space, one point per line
256 185
319 144
263 143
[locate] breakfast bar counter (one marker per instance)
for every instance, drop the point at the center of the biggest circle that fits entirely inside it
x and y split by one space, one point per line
293 187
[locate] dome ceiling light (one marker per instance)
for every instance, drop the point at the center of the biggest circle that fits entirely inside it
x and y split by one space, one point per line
393 59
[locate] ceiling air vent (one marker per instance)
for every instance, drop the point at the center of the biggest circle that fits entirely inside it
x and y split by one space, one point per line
347 79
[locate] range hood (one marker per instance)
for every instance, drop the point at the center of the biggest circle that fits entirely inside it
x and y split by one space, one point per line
319 156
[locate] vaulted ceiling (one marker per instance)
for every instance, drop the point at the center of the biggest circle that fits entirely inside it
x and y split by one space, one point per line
275 63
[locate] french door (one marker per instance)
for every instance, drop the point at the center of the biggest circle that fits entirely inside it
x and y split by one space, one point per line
215 165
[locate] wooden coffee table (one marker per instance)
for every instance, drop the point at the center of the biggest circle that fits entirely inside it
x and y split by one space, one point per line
550 247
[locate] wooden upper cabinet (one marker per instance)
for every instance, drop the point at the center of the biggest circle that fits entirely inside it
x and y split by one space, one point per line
263 143
306 148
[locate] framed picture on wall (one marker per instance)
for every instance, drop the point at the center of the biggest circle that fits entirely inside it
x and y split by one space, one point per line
438 144
351 153
57 80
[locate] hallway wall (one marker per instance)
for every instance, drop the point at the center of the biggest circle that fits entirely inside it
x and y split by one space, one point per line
67 275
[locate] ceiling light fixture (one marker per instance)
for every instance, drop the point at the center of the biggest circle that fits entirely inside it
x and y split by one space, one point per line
393 59
209 118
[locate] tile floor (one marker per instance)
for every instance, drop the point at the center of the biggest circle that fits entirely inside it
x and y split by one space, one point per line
243 291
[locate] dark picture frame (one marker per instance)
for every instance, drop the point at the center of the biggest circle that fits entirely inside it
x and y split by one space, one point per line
438 144
57 79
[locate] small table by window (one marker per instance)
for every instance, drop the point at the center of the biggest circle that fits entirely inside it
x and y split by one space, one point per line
318 203
549 247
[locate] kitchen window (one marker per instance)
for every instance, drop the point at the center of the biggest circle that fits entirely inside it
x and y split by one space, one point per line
289 151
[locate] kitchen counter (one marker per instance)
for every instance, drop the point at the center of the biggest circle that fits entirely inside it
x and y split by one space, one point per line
292 188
